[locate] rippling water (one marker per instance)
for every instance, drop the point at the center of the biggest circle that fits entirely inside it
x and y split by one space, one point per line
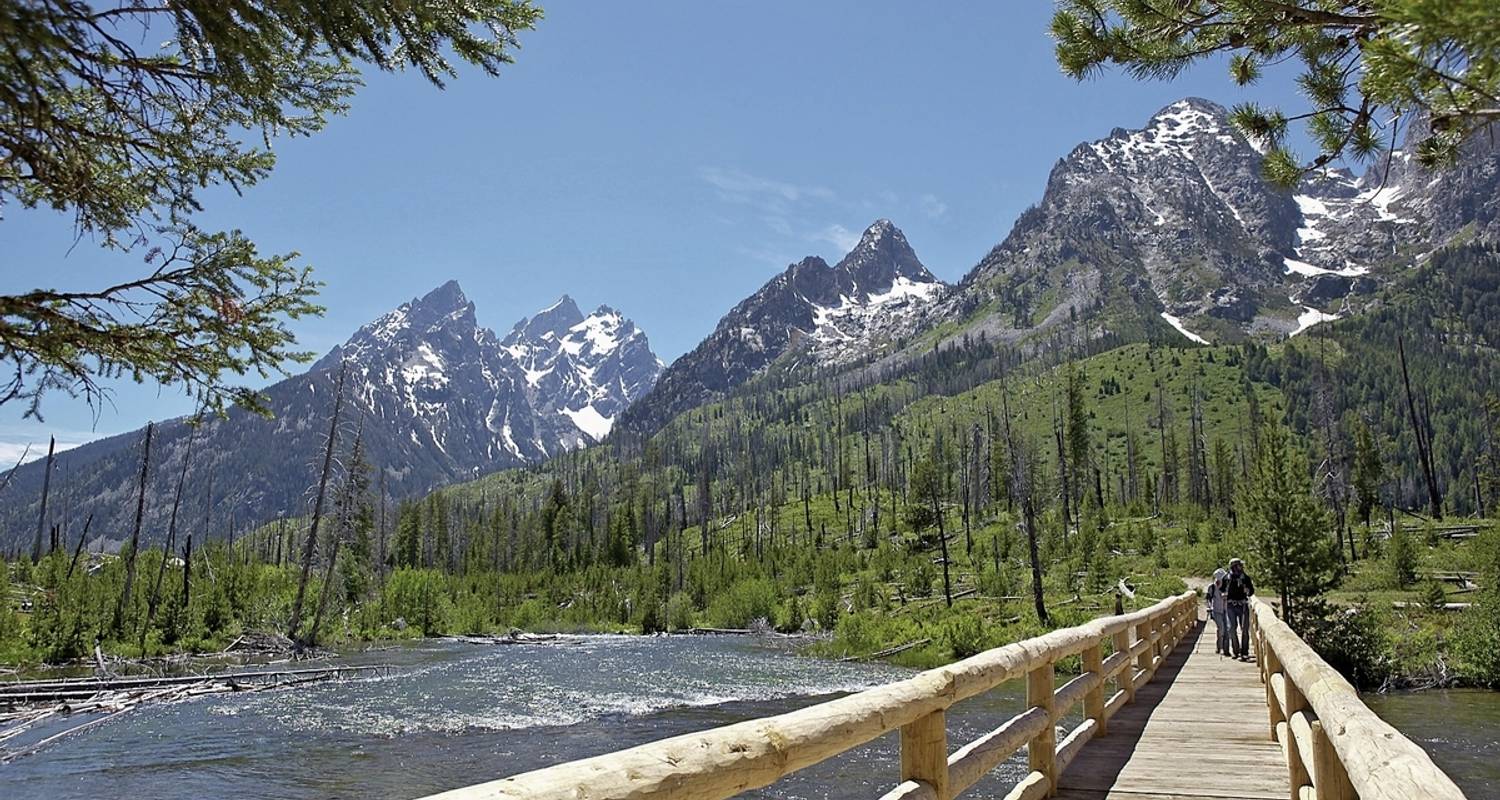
451 714
1459 728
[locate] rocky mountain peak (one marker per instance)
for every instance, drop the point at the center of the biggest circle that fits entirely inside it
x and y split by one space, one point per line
555 319
439 399
1175 223
874 297
445 299
881 257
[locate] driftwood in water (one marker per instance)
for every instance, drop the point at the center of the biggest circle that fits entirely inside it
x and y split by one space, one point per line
514 637
115 697
12 692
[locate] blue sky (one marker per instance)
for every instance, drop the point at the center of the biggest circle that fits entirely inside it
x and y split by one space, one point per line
664 158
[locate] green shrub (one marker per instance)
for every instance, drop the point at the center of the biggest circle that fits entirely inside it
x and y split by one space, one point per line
744 602
680 611
1351 640
420 598
965 636
791 616
867 632
1401 558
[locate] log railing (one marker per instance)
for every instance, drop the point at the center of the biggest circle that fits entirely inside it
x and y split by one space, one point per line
1335 747
725 761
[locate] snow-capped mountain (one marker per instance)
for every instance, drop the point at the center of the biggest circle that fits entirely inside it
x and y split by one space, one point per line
556 382
435 396
1174 222
876 295
587 369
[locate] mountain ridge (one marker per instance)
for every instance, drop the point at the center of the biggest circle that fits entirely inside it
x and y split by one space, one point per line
436 397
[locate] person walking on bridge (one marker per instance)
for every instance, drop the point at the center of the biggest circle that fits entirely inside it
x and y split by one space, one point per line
1238 590
1217 609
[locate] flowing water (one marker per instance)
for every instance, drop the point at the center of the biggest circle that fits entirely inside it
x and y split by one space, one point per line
452 713
1459 728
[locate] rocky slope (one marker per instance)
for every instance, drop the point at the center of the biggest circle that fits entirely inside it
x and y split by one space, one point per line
435 396
1173 223
871 299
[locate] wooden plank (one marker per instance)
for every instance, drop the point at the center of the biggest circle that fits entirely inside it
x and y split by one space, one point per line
1193 732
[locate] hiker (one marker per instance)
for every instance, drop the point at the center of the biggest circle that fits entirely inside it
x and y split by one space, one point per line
1217 610
1238 590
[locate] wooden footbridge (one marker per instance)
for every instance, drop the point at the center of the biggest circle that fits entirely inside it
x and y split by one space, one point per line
1164 719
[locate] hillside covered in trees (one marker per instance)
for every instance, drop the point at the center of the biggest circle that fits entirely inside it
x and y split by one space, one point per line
971 495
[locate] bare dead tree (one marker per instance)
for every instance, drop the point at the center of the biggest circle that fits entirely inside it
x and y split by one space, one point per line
309 548
161 569
135 532
346 506
1423 435
77 551
41 517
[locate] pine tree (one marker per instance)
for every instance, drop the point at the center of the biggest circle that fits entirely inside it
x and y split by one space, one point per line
1369 473
1293 553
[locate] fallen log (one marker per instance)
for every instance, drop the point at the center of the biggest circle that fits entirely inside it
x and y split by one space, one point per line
32 691
111 703
889 651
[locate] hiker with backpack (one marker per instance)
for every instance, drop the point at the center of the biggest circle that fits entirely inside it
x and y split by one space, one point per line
1218 610
1238 590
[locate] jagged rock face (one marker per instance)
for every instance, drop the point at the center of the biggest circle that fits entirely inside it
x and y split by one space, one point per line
873 297
435 397
584 369
1174 222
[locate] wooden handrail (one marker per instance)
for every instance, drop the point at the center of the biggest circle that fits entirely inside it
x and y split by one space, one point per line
1335 747
725 761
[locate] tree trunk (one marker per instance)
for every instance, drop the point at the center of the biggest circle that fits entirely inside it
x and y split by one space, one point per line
77 551
1033 552
135 534
310 546
41 517
1424 444
171 540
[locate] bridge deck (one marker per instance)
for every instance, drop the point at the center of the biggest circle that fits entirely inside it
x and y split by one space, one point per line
1198 730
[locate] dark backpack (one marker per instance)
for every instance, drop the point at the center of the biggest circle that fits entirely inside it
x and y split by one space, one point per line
1240 588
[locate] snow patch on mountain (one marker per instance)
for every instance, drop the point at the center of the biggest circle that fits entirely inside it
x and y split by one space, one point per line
1177 323
1309 317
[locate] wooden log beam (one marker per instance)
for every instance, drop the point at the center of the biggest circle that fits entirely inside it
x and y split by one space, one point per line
1380 763
1034 786
974 760
924 753
1093 702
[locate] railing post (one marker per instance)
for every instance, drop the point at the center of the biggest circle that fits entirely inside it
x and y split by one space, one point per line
1297 774
1273 708
1093 702
1125 678
1331 781
1260 645
1142 661
1041 751
924 752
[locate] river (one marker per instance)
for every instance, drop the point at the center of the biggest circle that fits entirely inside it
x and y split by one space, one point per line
452 713
1459 728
